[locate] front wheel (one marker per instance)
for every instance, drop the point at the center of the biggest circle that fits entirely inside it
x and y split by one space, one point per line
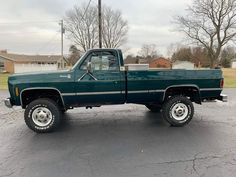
42 115
178 111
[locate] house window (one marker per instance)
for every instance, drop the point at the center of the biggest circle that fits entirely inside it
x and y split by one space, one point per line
1 66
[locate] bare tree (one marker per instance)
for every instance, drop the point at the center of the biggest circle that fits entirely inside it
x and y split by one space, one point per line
211 24
182 54
200 57
81 26
148 51
227 55
115 28
196 55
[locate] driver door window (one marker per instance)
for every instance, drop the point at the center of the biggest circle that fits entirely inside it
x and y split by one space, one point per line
101 61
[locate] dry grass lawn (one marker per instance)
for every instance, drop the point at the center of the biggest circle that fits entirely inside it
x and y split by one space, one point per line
3 81
230 78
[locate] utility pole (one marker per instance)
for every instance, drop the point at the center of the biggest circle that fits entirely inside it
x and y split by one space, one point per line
100 22
62 33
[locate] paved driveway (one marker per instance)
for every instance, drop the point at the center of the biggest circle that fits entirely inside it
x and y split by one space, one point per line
122 141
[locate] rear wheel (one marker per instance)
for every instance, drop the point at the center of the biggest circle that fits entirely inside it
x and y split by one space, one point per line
154 108
42 115
178 111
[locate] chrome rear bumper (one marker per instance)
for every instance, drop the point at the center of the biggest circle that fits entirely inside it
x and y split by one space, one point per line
7 103
223 98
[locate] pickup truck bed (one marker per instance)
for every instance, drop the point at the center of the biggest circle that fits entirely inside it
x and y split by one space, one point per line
152 85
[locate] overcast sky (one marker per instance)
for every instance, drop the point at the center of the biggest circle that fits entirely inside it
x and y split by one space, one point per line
31 26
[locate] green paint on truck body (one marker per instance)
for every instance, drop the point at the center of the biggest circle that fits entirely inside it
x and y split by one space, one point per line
116 86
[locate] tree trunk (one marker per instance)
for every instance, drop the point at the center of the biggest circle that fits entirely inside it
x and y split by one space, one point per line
212 63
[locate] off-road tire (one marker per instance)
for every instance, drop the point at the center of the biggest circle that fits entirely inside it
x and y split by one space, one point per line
169 106
43 103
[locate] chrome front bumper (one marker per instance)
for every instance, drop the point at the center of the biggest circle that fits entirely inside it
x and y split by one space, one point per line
7 103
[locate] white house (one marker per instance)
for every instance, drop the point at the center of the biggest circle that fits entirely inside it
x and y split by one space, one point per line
233 65
15 63
183 65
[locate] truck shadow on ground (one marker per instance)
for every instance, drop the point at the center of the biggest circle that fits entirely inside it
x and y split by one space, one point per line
149 119
131 131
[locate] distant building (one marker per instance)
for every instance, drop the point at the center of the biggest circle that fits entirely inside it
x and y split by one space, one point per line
160 63
142 61
153 63
131 60
183 65
233 64
134 60
15 63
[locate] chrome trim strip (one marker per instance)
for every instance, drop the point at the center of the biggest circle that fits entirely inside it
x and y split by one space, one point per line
147 91
211 89
93 77
68 94
139 91
82 76
92 93
131 92
156 91
99 93
89 75
39 88
103 93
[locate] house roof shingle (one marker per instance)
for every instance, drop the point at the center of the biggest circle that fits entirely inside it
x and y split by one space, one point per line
30 58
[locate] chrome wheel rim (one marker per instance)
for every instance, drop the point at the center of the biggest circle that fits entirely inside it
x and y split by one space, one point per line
179 111
42 116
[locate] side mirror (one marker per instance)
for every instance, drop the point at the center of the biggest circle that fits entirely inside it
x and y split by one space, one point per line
89 67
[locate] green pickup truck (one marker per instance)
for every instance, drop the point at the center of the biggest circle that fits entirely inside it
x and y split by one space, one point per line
101 78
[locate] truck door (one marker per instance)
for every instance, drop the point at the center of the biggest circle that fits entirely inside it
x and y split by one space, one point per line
103 83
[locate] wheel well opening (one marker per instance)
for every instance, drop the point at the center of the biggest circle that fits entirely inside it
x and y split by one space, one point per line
191 92
30 95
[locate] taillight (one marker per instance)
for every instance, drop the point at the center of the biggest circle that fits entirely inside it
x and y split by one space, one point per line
221 83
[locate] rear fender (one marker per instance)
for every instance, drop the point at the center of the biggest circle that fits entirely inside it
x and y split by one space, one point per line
191 91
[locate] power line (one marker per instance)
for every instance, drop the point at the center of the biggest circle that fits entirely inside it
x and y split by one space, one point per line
86 9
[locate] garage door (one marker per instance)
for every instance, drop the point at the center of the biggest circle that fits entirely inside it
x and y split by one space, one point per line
22 68
234 64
